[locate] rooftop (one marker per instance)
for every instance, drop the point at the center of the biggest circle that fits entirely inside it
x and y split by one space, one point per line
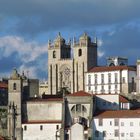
118 114
80 93
111 68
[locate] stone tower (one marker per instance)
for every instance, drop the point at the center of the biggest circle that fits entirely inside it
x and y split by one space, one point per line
14 110
65 71
85 57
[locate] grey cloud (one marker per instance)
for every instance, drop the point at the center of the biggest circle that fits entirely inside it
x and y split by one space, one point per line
124 42
58 14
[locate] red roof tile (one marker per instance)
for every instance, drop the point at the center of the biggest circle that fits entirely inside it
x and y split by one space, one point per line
80 93
122 99
42 121
111 68
3 85
118 114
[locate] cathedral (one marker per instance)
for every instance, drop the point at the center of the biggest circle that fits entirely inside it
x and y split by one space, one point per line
68 62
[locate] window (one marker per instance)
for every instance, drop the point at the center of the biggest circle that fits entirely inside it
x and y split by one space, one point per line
14 86
89 79
116 132
54 54
102 89
25 127
89 88
123 79
110 122
116 77
109 78
100 122
109 88
95 88
104 133
122 134
116 86
79 108
131 134
102 78
79 52
122 123
116 122
57 127
41 127
95 78
131 123
96 133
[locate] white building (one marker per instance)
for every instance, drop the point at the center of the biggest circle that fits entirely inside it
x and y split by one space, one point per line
112 79
117 125
42 119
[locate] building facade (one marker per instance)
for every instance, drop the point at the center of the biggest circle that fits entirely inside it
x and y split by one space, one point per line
67 65
111 79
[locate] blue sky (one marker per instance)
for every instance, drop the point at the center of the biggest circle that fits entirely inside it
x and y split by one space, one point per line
26 26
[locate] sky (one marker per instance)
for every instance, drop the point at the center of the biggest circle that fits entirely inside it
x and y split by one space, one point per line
27 25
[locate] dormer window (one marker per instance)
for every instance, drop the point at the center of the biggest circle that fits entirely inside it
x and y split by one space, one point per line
14 86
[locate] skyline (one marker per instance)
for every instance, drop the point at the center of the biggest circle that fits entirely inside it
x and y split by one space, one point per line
26 27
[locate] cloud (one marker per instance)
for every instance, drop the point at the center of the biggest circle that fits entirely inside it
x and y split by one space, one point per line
25 55
35 16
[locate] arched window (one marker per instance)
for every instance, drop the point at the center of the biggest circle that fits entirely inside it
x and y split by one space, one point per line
78 108
14 86
79 52
54 54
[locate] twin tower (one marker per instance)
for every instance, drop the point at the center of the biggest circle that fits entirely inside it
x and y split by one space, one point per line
68 62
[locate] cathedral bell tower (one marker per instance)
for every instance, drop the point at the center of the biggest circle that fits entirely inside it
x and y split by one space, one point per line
85 57
14 109
58 51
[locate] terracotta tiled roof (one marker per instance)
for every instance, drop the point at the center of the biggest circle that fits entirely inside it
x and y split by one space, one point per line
80 93
118 114
111 68
122 99
3 85
42 121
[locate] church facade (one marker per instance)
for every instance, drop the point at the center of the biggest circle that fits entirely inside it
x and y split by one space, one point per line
68 63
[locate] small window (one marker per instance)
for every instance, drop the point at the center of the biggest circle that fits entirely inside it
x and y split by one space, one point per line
104 133
41 127
110 122
116 122
57 127
25 127
14 86
122 123
100 122
54 54
79 52
122 134
123 79
131 134
131 123
116 132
